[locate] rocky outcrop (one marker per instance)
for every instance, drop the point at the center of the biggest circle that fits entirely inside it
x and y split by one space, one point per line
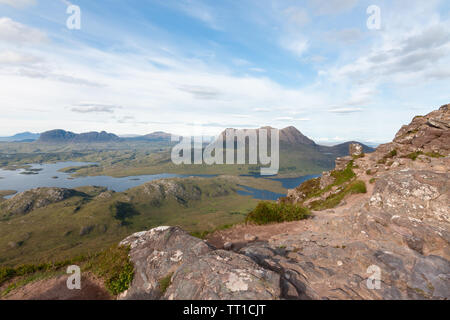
27 201
355 149
390 242
428 133
171 264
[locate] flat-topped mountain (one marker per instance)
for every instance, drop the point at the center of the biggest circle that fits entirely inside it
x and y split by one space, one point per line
62 136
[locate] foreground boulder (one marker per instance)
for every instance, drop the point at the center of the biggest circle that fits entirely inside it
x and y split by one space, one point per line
171 264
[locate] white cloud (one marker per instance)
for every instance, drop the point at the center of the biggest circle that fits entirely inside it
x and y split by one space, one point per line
290 119
260 70
345 110
298 45
93 107
15 58
191 91
18 3
17 33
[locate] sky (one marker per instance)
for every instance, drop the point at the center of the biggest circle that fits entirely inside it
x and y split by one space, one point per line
140 66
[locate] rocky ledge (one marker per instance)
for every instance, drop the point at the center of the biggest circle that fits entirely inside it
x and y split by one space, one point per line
389 242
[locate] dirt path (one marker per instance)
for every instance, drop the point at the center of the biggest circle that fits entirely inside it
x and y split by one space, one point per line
239 235
56 289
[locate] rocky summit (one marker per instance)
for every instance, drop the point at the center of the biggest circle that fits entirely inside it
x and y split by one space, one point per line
388 240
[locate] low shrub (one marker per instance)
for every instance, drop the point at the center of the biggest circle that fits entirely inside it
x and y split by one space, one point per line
343 176
270 212
434 155
413 156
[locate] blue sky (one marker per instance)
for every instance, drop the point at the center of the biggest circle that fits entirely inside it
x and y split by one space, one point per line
140 66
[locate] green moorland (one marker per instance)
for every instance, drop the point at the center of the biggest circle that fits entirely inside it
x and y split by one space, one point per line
91 219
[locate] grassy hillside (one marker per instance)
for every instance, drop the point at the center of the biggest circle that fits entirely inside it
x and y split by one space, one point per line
39 226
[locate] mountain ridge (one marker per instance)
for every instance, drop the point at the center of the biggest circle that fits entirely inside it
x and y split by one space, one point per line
62 136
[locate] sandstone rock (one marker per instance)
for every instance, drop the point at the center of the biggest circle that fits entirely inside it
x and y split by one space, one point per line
249 237
224 275
227 245
355 149
156 254
197 270
325 180
341 163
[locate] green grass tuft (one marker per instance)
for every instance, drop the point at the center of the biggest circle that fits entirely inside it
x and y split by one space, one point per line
434 155
165 283
344 175
335 199
413 156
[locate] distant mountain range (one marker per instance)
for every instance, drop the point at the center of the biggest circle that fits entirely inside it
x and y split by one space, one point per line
290 138
21 137
62 136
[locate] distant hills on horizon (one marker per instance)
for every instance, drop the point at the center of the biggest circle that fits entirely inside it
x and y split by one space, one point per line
289 135
21 137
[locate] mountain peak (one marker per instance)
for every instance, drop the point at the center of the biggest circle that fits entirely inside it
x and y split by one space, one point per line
292 135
